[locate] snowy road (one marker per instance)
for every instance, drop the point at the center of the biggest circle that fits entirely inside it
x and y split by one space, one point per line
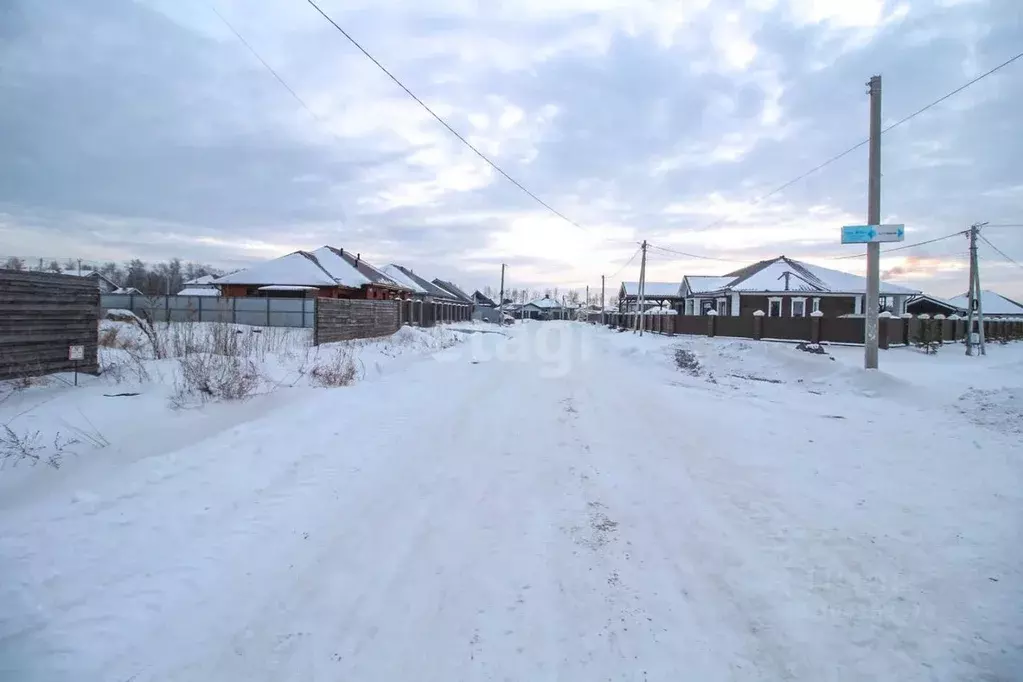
547 506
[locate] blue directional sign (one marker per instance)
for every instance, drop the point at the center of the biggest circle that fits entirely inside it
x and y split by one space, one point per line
864 234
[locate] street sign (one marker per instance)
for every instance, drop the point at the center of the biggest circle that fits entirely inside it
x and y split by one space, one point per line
76 352
864 234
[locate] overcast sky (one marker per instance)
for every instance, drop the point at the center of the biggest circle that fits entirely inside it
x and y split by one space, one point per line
144 128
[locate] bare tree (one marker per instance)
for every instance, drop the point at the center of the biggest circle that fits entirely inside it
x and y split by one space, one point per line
14 263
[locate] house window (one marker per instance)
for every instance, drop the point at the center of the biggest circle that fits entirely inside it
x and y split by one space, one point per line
798 307
706 305
722 306
774 307
816 305
689 306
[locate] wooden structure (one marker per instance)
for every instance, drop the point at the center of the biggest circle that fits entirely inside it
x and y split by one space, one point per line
42 315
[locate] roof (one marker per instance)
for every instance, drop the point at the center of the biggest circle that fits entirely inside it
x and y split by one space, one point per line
991 303
483 299
286 287
934 299
458 293
368 270
201 281
199 291
127 290
425 286
95 274
395 273
652 289
785 274
319 268
705 284
545 303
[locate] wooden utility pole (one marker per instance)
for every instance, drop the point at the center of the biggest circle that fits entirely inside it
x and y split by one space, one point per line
873 218
602 299
500 300
976 311
642 289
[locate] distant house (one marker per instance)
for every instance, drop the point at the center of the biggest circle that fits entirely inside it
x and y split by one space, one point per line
480 299
992 304
545 308
932 305
455 291
127 291
199 291
654 294
783 287
327 272
105 284
422 287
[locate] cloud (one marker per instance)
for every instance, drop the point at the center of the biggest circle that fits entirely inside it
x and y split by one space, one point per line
146 129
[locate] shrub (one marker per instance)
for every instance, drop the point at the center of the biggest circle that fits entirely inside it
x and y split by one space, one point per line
338 370
30 447
211 376
686 361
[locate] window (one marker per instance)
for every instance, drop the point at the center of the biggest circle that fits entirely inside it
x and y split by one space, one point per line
689 306
722 306
706 305
774 307
816 305
798 307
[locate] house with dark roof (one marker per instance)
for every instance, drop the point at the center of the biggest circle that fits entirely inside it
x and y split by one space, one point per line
479 298
445 305
783 287
454 290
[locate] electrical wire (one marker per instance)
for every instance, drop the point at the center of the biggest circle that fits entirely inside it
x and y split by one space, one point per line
691 255
856 146
444 123
1000 252
626 263
907 246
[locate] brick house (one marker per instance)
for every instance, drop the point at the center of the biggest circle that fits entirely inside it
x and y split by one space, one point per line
327 272
783 287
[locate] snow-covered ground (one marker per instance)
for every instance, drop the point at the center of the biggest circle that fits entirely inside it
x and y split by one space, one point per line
556 501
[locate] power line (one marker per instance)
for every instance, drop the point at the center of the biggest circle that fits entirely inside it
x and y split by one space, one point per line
693 255
907 246
442 121
999 251
626 263
856 146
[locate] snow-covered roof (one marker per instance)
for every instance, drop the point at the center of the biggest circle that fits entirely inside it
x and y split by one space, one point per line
198 291
453 289
200 281
660 310
991 303
785 274
545 303
652 289
286 287
401 279
319 268
704 284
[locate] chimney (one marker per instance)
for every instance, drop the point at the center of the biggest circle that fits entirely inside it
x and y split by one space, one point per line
342 250
357 257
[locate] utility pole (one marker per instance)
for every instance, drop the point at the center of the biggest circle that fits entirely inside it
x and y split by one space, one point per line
500 303
602 299
79 267
976 311
873 218
642 288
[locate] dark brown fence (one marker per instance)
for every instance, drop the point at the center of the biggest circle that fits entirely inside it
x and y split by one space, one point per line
344 319
42 315
892 331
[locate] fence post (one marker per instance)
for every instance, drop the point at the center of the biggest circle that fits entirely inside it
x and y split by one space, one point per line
758 324
883 320
166 308
267 311
712 316
200 308
671 325
939 323
234 312
815 326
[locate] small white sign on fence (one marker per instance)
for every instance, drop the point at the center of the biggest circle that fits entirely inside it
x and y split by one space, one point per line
76 352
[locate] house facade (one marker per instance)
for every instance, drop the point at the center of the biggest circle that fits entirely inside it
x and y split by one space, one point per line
783 287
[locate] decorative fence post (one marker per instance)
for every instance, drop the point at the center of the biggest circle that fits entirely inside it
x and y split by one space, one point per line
884 319
712 318
758 324
815 326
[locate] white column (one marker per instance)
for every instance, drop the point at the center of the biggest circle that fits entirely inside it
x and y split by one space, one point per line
859 305
735 305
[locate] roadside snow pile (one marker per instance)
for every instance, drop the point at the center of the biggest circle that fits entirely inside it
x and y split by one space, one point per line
419 340
1000 409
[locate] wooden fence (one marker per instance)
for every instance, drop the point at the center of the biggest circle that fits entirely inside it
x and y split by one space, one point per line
41 316
892 331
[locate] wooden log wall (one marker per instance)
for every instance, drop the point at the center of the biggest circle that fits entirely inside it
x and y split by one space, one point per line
344 319
41 315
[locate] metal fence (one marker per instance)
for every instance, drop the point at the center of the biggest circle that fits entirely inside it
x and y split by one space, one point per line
262 312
